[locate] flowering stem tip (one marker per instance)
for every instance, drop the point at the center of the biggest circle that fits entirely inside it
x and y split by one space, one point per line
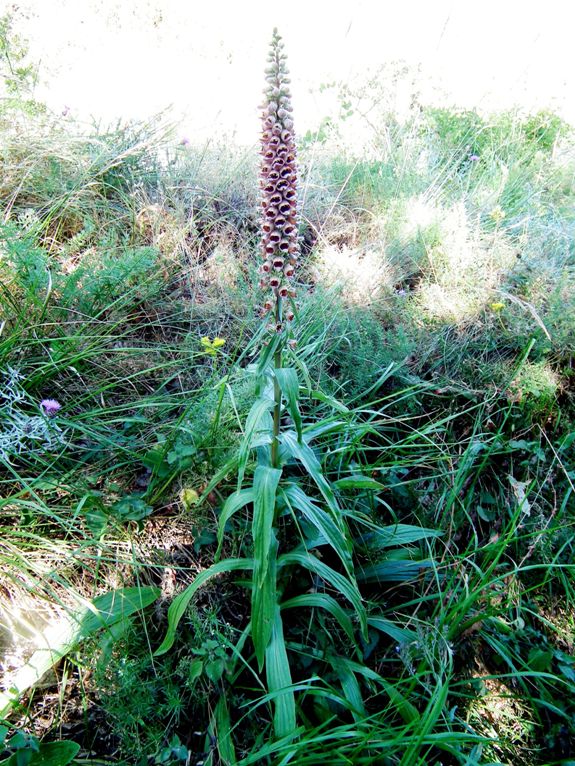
279 235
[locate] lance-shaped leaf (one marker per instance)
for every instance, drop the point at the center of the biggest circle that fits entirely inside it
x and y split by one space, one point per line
322 520
180 603
266 481
104 611
337 581
235 501
289 385
279 681
257 431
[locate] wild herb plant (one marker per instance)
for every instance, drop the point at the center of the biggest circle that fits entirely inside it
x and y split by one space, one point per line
280 502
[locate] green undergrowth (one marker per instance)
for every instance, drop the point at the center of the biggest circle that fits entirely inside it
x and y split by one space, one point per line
403 592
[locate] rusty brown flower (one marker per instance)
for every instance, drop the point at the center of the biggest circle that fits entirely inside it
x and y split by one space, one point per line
279 235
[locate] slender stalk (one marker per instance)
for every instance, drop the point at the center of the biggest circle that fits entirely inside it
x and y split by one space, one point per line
277 393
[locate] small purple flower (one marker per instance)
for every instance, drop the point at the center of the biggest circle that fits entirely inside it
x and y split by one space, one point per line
185 141
473 158
50 407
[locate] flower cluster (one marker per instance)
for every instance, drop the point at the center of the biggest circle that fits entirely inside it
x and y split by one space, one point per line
278 184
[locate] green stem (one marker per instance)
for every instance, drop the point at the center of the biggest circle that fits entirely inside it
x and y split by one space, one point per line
277 392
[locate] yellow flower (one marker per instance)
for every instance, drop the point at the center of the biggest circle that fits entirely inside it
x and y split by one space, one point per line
211 346
497 214
497 306
189 497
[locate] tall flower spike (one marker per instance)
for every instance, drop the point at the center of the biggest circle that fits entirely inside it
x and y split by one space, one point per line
278 178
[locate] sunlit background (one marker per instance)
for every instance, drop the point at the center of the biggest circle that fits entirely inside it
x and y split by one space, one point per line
117 59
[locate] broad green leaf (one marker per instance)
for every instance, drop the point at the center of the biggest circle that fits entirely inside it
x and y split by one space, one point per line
256 423
195 670
214 669
322 521
289 384
398 534
540 659
103 612
401 635
394 571
48 754
345 586
180 603
110 608
279 681
264 598
326 602
358 482
264 602
235 501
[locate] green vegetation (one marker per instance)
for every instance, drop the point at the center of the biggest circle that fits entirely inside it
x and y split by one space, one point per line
396 585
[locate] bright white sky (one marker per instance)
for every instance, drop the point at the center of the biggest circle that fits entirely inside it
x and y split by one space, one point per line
205 58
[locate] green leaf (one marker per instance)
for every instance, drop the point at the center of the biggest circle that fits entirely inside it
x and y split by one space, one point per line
322 521
401 635
327 603
568 671
224 733
358 482
339 582
540 659
215 669
195 670
306 456
398 534
131 508
332 401
48 754
180 603
279 681
350 687
394 571
235 501
258 424
103 612
289 384
264 599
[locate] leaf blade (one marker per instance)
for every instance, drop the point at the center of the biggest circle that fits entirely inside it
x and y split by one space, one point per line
180 603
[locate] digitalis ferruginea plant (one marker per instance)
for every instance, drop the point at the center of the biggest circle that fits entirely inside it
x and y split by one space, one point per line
279 241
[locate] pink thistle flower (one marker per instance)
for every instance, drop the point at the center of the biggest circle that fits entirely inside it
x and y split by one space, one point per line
50 407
